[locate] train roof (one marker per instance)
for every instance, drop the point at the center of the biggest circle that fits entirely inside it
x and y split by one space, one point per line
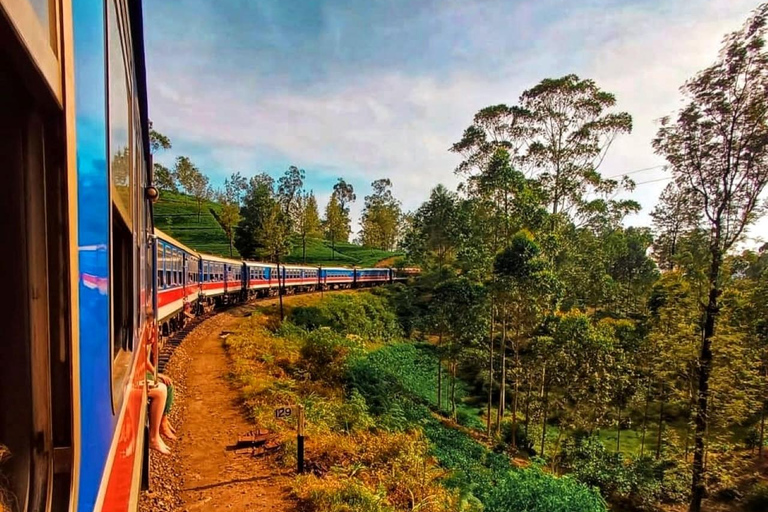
168 238
251 263
302 267
338 268
218 259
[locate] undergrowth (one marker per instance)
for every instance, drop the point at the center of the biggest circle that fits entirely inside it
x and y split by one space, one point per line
373 441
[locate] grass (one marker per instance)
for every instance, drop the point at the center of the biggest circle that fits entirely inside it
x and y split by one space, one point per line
176 214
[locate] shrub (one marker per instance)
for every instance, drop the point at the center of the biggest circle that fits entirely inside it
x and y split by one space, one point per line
360 314
757 498
337 495
324 355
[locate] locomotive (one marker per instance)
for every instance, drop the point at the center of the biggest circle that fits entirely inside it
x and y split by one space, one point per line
90 285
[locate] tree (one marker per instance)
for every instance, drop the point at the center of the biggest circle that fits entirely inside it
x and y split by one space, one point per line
381 217
717 148
459 306
308 225
229 199
194 182
570 130
673 217
275 238
165 178
336 223
157 141
525 291
289 188
256 205
343 194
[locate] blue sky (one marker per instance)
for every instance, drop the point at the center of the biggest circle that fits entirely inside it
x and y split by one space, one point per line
367 89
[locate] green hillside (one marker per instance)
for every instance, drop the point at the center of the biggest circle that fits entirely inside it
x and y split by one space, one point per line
176 214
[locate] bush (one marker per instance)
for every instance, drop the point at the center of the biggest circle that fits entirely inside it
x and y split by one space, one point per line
337 495
324 356
757 499
360 314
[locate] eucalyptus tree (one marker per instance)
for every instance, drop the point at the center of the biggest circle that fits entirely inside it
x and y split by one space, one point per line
717 148
381 217
289 188
526 290
230 198
194 182
674 216
257 203
308 223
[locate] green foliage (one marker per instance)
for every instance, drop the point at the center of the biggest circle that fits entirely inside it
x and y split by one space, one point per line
324 355
176 214
363 314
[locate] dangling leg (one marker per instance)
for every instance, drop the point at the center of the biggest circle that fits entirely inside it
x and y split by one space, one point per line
157 396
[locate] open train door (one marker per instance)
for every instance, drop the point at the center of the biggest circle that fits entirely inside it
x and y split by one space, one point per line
35 267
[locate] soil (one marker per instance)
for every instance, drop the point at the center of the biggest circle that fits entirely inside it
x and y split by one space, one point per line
203 472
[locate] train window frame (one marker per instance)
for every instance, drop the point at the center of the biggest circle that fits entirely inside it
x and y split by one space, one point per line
117 37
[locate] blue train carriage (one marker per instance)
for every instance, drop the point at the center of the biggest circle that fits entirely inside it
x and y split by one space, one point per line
372 276
177 283
75 204
217 281
299 278
335 278
260 278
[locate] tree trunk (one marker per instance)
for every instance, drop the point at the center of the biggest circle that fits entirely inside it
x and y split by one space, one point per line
661 424
280 277
503 380
645 416
762 431
545 390
199 208
453 390
230 247
490 374
439 370
705 368
618 433
516 390
527 405
304 248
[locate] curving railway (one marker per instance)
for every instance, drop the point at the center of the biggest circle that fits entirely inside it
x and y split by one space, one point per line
90 286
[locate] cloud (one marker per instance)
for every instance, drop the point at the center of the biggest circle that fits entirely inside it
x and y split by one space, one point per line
384 89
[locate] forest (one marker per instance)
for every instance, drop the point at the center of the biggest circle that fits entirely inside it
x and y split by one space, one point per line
633 358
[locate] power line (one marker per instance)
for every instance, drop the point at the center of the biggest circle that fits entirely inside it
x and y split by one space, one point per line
654 181
635 171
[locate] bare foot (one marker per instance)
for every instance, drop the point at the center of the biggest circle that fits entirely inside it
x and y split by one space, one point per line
168 433
160 446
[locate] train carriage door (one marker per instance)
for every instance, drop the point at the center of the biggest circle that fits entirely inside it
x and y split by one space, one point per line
35 351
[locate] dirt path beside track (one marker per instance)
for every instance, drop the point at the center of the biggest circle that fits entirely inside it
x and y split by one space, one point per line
201 473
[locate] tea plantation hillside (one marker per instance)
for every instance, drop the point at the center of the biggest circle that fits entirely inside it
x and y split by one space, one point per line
176 214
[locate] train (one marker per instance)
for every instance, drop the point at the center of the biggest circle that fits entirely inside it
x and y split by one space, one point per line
189 282
91 287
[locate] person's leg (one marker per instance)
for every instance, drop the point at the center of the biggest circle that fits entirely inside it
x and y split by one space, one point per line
157 396
165 425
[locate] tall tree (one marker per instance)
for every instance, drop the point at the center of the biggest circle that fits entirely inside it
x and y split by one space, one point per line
673 217
717 148
343 194
308 225
571 126
275 238
256 205
336 224
381 217
164 178
289 188
229 198
194 182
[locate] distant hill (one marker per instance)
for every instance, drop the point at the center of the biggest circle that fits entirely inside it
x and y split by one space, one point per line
176 214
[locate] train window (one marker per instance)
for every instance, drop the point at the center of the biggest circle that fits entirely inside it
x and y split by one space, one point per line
159 265
121 168
122 179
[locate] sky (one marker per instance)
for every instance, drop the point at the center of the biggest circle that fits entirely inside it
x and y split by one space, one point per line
368 89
